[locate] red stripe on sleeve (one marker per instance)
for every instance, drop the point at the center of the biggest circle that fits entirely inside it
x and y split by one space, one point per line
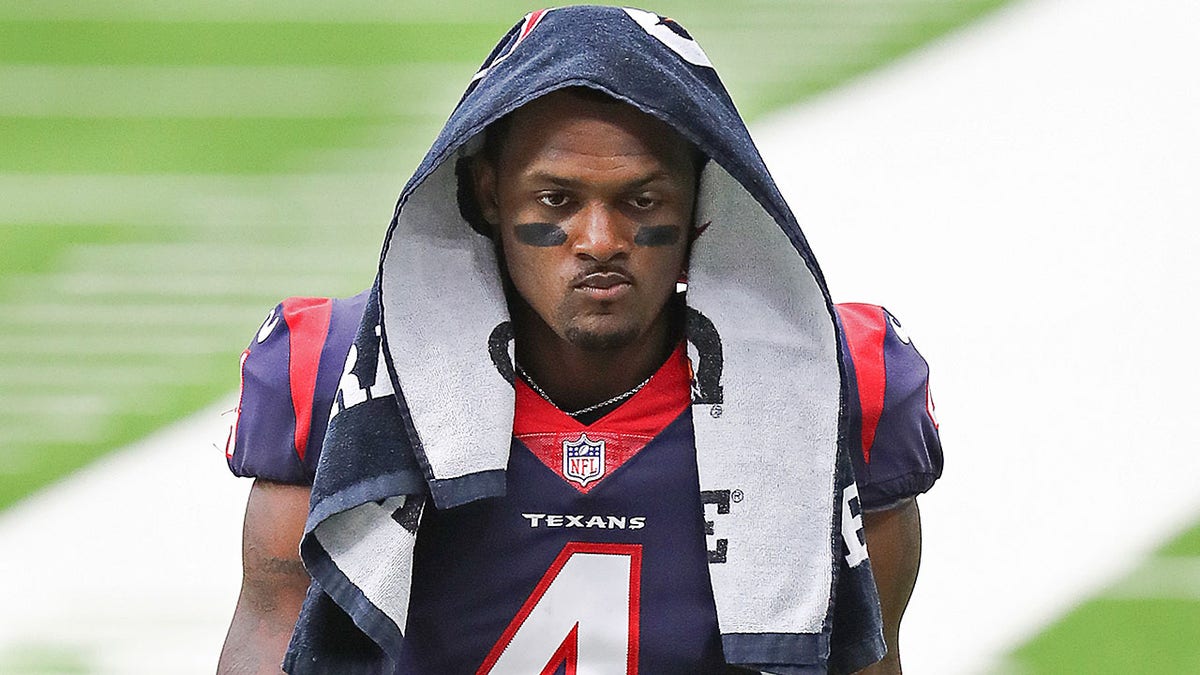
308 323
866 328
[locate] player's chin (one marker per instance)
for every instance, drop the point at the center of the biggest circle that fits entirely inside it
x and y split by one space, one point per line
600 334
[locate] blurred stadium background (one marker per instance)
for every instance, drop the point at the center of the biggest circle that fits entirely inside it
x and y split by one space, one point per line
169 171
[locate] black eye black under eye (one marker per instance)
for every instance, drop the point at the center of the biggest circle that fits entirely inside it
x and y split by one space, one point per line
540 234
657 235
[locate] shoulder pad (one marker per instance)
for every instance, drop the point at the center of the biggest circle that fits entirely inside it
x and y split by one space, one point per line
289 374
892 430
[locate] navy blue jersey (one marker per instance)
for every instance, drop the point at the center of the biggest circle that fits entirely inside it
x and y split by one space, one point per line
597 552
291 370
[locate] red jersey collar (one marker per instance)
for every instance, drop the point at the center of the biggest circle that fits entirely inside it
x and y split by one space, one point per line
646 413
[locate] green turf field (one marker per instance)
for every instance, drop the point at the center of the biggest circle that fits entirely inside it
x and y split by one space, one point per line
170 170
1148 622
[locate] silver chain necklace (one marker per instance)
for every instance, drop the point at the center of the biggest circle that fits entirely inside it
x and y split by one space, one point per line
616 399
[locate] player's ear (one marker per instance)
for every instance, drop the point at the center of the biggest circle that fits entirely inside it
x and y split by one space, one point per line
483 176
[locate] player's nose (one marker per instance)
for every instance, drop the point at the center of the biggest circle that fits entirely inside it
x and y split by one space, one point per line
603 233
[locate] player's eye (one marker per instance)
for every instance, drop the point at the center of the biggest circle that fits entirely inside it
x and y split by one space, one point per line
643 202
552 199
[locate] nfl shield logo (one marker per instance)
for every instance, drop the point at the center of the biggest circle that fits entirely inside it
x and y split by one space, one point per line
583 459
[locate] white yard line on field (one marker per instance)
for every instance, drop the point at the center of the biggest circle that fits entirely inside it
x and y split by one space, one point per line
188 92
273 11
131 313
190 284
203 256
82 345
23 374
220 202
1018 194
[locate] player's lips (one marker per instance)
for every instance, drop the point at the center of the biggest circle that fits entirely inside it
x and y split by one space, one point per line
603 285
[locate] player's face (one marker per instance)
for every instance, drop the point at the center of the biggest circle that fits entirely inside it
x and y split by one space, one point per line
593 205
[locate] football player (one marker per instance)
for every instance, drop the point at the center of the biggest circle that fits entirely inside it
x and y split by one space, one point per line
290 374
610 149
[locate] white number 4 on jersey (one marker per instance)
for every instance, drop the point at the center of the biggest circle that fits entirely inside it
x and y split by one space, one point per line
582 614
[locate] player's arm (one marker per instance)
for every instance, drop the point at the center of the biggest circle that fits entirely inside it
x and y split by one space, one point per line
898 455
276 439
273 579
894 538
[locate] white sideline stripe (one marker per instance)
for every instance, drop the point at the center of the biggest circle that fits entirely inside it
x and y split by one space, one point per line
1026 179
1163 578
136 91
140 549
1021 195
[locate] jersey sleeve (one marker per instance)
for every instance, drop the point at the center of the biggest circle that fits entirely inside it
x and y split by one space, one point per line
893 433
289 376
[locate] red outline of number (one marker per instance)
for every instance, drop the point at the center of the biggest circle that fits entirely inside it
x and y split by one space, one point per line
570 643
